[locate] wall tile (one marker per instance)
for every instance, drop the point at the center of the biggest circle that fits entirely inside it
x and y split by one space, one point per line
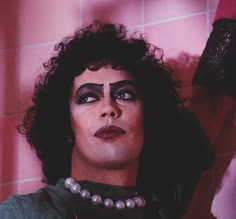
7 190
30 186
186 36
29 165
213 4
162 9
31 65
9 80
8 148
184 66
9 27
48 20
182 40
122 11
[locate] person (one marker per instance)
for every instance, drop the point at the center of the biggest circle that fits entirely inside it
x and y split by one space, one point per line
114 137
215 95
216 69
106 112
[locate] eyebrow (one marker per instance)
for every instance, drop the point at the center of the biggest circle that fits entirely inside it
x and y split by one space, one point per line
97 87
122 83
90 86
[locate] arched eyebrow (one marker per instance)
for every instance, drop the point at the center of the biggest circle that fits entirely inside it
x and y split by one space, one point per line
89 86
98 88
122 83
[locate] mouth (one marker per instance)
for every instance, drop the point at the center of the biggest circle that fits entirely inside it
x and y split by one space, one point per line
109 132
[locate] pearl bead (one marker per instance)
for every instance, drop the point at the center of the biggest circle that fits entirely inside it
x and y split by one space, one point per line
75 188
138 201
96 199
108 203
130 203
84 194
69 182
119 205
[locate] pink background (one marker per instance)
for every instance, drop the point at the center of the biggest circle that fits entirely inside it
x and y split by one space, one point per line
28 32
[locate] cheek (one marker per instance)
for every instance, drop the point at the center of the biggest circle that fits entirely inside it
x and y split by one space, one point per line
83 123
136 117
79 121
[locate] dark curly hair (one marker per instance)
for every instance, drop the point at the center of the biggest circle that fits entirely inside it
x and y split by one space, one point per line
175 151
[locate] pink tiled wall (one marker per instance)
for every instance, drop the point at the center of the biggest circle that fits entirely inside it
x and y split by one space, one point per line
28 31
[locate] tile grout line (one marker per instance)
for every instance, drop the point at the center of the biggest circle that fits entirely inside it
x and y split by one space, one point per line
20 181
174 18
142 25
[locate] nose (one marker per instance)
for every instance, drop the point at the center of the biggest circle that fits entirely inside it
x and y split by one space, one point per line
110 109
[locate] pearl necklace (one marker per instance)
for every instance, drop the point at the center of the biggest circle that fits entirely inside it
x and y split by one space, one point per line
95 199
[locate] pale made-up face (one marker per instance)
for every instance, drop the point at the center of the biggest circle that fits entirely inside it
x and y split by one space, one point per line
107 118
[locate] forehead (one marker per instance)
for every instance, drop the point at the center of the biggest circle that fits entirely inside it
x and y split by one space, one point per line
102 76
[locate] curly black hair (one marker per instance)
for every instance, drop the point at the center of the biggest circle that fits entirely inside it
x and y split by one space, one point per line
176 149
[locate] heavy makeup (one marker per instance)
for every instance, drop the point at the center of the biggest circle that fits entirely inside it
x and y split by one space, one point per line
107 119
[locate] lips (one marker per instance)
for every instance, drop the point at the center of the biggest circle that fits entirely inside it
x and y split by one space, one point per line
109 132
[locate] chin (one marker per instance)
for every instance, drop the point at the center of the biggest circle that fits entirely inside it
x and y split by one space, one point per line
118 163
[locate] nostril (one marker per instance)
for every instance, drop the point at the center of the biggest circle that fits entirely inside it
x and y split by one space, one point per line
104 115
112 114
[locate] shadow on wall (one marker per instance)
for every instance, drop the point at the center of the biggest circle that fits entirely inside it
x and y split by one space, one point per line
106 11
9 102
217 118
126 12
130 12
184 66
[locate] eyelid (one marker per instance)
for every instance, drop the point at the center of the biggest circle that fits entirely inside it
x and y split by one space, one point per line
90 87
131 92
79 98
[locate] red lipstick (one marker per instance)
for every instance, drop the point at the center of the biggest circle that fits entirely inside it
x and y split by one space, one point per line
109 132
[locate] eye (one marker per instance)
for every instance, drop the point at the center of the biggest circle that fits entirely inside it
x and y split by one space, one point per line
87 98
124 95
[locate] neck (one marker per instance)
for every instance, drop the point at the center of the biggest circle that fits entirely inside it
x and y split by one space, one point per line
118 176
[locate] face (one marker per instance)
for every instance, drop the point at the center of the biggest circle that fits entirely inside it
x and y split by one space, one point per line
107 118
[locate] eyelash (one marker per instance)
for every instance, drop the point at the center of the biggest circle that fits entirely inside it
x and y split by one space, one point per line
81 99
117 95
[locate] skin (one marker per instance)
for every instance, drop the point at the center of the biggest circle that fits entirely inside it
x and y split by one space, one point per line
98 100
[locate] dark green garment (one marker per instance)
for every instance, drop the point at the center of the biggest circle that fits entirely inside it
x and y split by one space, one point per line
58 202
